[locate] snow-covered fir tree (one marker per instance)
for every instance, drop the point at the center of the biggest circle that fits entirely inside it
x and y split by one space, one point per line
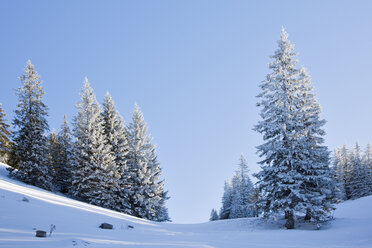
238 197
225 210
145 190
295 174
242 190
63 160
93 174
52 156
367 161
338 167
30 151
344 170
359 185
214 215
116 137
5 143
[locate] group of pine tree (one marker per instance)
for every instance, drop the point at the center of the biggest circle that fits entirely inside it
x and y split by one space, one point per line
100 161
296 177
353 170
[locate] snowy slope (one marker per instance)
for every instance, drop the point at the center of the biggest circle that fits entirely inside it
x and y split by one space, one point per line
77 225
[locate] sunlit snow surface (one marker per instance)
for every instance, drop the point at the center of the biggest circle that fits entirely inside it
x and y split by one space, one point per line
77 225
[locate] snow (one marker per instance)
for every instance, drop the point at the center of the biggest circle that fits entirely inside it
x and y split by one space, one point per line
77 225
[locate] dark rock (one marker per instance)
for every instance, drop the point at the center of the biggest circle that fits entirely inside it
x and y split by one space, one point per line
24 199
130 227
106 226
40 234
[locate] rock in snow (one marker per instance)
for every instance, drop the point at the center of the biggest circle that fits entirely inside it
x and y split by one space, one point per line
40 234
106 226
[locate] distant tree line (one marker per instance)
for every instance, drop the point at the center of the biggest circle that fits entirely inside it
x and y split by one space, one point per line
101 160
238 200
353 171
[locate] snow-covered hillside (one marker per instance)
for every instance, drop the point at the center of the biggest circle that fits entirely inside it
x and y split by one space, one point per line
77 225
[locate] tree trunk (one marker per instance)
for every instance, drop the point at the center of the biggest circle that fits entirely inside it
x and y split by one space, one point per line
308 215
286 214
290 220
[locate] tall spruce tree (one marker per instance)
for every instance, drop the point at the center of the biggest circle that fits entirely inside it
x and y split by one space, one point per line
5 143
30 151
295 174
93 174
116 137
145 191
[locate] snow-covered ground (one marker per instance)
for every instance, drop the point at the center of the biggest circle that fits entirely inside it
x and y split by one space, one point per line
77 225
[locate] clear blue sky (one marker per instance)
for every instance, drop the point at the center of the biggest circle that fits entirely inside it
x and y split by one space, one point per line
194 68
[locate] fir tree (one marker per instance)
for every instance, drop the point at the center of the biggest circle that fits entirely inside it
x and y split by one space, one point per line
255 198
93 174
242 188
346 167
359 185
145 191
64 160
367 161
295 174
227 198
214 215
5 143
30 151
116 137
339 169
53 156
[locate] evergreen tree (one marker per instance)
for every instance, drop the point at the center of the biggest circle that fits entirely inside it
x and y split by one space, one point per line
338 167
53 156
227 198
367 161
116 137
347 169
214 215
242 188
255 198
359 185
63 160
93 174
30 150
5 143
144 191
295 175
